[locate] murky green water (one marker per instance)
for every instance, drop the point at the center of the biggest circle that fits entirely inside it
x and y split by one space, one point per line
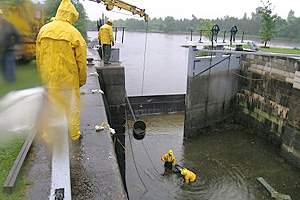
227 162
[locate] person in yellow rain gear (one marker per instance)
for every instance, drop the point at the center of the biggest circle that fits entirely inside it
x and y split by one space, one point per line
188 176
61 61
170 161
106 39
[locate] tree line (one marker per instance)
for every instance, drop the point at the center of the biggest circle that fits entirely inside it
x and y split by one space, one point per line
261 21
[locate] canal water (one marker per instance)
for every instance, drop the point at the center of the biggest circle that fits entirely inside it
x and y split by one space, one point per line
165 62
227 162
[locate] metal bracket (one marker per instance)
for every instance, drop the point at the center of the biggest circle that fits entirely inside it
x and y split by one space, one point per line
59 194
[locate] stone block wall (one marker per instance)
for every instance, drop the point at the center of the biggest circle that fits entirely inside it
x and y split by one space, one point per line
269 100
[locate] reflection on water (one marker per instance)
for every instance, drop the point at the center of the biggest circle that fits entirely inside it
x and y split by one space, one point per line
227 162
165 64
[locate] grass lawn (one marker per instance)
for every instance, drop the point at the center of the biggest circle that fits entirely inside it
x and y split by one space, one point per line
280 50
276 50
9 152
27 77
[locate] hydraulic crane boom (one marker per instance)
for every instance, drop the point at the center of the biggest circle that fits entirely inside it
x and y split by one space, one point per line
110 4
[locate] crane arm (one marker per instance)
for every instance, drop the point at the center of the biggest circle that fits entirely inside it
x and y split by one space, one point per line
110 4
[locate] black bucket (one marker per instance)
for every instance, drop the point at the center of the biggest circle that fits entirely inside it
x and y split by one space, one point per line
139 130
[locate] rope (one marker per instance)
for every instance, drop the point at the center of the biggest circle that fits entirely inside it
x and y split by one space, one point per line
133 158
145 52
130 108
149 157
252 79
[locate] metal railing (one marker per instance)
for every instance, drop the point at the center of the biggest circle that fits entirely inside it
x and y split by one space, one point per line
215 32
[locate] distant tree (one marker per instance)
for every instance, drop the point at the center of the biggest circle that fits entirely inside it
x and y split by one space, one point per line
170 24
268 22
250 25
206 26
291 17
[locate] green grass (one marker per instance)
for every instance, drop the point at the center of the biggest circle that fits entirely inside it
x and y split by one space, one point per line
276 50
8 154
27 77
281 50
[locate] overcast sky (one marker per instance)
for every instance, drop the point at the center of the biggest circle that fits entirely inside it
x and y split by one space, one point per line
200 8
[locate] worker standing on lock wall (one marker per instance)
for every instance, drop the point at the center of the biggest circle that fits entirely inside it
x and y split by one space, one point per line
170 161
106 39
61 60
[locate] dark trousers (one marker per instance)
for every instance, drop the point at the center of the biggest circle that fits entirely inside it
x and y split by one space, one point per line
168 168
107 52
8 66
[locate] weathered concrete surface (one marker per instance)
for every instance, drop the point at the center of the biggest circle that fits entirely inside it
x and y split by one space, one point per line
261 93
158 104
269 100
112 81
209 94
94 170
38 166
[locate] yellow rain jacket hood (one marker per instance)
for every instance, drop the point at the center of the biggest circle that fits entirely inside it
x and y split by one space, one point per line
67 12
61 60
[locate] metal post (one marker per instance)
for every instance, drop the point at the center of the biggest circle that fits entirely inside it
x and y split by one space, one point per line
116 33
200 40
191 34
123 32
224 36
243 37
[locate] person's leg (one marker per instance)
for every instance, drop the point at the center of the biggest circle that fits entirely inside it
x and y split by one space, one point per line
108 52
2 65
73 115
9 66
105 52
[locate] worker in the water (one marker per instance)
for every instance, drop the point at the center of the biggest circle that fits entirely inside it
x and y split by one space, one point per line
170 161
188 176
106 39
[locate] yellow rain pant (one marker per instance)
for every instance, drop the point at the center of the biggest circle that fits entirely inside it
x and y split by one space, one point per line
61 61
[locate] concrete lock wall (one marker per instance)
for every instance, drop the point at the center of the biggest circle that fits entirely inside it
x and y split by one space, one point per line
112 81
210 94
260 91
269 100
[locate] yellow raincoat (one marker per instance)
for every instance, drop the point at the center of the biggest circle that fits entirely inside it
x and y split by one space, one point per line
169 158
188 176
105 34
61 60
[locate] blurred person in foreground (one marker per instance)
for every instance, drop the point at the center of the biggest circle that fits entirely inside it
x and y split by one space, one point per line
9 39
61 60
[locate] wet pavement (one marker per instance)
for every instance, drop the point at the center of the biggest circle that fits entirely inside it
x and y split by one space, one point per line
94 169
38 166
227 162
